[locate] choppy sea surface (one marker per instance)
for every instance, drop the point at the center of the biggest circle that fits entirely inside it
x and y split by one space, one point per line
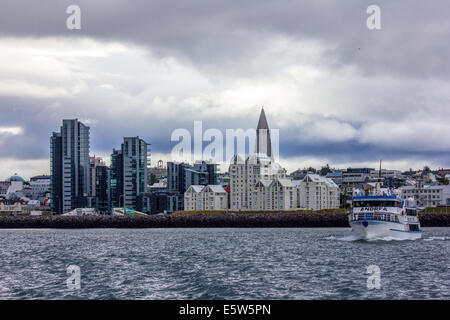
270 263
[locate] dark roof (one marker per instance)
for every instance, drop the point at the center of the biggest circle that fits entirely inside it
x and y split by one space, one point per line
262 123
39 177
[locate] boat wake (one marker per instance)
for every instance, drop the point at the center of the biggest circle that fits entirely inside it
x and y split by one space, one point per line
346 238
437 239
355 238
388 238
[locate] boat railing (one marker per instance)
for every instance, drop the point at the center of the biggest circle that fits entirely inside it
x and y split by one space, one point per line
374 216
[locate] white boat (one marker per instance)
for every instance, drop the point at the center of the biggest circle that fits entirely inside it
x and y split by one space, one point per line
384 216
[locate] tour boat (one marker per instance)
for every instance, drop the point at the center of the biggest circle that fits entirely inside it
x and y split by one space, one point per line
384 217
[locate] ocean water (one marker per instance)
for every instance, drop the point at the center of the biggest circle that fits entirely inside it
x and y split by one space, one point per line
255 263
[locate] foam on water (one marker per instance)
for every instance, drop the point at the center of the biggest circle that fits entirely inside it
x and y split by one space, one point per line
346 238
355 238
388 238
437 239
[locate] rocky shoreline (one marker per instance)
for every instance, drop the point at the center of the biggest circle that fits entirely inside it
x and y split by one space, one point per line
226 220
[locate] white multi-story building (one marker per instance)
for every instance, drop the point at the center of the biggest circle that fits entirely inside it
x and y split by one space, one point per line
427 196
277 194
205 198
385 173
244 175
356 175
39 186
192 198
214 197
317 192
259 183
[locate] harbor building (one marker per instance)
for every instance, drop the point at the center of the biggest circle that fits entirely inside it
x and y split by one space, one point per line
205 198
277 194
427 195
318 192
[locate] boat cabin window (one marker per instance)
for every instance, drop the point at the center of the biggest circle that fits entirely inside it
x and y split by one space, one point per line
411 212
370 203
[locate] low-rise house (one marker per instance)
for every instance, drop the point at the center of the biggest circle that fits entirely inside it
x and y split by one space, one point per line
192 198
205 198
15 208
214 197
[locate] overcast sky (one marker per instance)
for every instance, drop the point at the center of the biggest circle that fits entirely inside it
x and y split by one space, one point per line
339 93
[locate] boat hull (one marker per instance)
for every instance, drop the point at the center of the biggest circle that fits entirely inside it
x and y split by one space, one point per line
369 230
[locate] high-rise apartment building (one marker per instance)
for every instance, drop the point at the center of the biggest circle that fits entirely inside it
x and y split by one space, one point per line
116 179
69 165
129 172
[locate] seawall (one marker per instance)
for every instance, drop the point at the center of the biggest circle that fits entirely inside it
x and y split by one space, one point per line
273 220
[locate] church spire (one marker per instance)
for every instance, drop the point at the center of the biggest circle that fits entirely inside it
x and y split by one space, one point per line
263 143
262 123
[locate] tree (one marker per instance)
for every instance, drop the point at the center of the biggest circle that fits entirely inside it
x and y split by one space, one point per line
325 170
426 169
311 169
152 178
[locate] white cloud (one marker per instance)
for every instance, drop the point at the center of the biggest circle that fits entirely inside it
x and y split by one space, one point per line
424 135
11 131
51 67
24 168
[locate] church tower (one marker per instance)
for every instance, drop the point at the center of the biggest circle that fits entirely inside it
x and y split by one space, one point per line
263 143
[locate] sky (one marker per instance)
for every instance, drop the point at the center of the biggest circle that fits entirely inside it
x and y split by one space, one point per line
339 93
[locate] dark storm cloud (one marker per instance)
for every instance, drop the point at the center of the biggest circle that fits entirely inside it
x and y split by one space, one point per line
413 39
222 39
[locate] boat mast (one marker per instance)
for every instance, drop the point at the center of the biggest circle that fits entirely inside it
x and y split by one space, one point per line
378 185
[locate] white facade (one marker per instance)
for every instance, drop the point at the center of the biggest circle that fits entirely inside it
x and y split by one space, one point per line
385 173
205 198
258 184
214 197
277 194
192 198
14 187
427 196
39 187
317 193
245 175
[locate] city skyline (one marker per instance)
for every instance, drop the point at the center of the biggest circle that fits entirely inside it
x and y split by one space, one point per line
223 167
339 93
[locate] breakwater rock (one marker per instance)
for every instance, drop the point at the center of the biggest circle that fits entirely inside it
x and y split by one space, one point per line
225 220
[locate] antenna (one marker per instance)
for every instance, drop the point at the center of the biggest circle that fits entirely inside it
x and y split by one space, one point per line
379 172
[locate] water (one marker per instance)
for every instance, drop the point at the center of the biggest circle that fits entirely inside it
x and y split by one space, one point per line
220 264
